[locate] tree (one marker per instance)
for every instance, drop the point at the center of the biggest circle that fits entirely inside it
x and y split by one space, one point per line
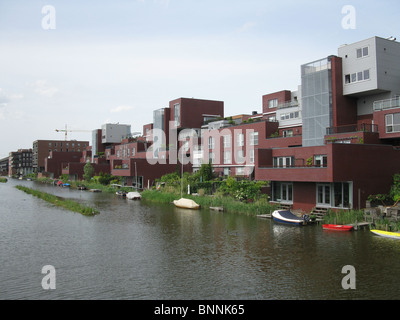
206 172
395 189
88 171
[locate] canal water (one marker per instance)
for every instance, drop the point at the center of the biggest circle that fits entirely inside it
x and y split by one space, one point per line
138 250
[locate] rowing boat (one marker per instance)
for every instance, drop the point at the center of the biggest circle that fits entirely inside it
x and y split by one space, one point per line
337 227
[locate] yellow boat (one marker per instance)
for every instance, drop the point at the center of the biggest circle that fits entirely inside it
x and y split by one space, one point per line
387 234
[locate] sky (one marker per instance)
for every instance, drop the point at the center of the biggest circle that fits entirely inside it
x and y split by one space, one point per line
82 64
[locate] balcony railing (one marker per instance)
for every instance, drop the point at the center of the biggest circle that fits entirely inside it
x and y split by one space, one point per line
363 127
387 104
288 104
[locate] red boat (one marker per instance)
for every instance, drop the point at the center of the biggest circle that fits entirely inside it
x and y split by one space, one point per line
337 227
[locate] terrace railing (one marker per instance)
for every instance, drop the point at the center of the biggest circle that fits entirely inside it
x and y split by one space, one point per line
363 127
387 104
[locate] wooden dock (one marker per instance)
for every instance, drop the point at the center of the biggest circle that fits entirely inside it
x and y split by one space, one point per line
265 216
360 225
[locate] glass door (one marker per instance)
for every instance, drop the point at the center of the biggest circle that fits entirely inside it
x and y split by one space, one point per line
324 195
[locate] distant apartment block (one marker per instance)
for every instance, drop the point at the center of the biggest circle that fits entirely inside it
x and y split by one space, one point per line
20 162
114 132
42 148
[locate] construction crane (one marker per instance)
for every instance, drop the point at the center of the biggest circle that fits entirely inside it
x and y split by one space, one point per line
66 131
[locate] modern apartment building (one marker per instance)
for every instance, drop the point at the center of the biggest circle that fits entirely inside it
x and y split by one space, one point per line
4 166
20 162
330 143
42 148
349 135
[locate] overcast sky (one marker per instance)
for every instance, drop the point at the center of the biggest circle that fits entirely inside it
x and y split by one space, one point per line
117 61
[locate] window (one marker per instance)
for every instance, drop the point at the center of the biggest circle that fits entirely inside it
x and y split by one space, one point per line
356 77
362 52
240 140
321 161
240 157
227 157
283 162
392 122
240 171
336 194
287 133
227 172
211 157
227 141
324 194
177 114
211 143
252 158
273 103
254 139
282 192
133 152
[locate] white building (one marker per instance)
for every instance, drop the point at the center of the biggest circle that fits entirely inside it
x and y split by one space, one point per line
371 71
114 132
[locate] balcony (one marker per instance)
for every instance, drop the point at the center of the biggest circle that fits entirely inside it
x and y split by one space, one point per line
288 104
363 127
387 104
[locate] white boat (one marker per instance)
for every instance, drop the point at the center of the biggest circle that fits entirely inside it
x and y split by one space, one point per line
134 195
285 216
186 204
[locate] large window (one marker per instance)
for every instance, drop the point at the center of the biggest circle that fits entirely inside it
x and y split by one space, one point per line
362 52
321 161
336 195
227 157
273 103
357 76
227 141
283 162
240 140
254 138
392 122
282 192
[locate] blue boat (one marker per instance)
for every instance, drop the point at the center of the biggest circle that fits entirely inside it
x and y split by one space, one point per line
287 217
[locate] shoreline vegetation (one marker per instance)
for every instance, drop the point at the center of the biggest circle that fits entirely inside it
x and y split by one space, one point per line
60 202
234 195
3 180
229 204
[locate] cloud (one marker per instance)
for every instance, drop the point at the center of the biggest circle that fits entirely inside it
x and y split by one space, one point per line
42 88
121 109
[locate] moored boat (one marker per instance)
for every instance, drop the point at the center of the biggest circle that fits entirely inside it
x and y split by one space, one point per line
121 193
387 234
186 204
337 227
287 217
134 195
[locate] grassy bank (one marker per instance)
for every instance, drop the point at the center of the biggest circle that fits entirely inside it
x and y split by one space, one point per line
229 204
60 202
344 217
3 180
